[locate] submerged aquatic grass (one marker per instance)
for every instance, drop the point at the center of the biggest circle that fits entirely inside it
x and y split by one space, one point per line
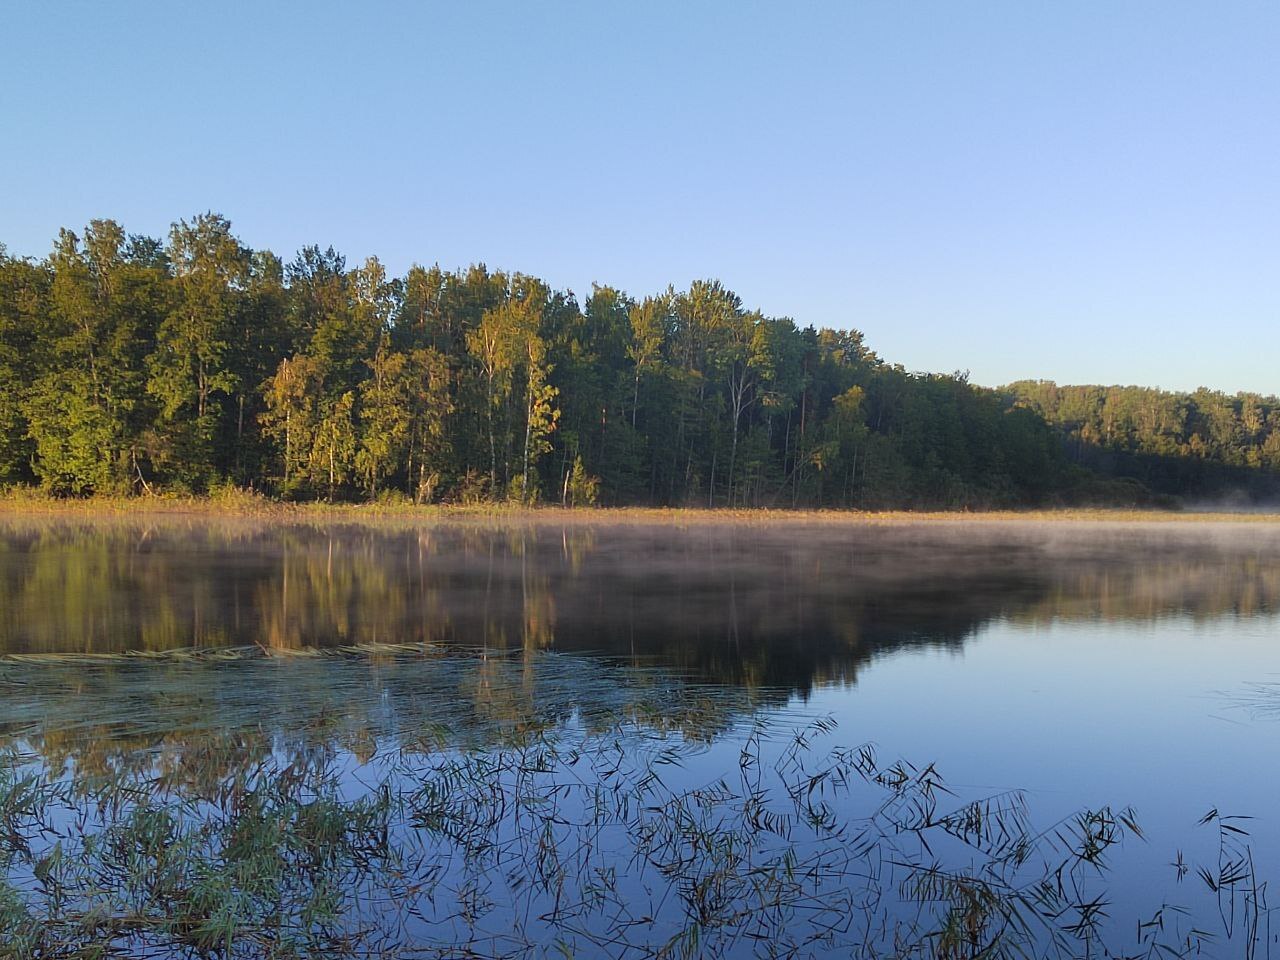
354 805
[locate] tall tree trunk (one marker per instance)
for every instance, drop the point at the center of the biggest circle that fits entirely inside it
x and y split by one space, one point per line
733 458
493 449
528 432
240 438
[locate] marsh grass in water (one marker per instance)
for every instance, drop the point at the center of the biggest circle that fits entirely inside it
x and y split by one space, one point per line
563 807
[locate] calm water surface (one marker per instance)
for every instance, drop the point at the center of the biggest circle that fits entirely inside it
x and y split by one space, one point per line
1085 664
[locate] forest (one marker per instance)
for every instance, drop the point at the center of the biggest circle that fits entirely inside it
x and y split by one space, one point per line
132 365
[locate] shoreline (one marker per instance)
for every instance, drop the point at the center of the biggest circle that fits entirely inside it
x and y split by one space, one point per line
245 506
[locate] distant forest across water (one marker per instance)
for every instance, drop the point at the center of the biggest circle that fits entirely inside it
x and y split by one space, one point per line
133 365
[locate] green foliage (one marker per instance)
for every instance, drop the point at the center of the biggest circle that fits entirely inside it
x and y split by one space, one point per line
74 436
582 490
290 418
1202 443
24 290
386 414
333 454
130 365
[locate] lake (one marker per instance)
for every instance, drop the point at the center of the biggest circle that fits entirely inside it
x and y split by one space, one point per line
532 737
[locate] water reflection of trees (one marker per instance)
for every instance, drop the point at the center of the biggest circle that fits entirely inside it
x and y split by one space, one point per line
763 606
434 639
698 626
191 725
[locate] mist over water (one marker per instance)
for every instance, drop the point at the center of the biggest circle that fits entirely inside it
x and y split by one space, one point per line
789 605
1082 663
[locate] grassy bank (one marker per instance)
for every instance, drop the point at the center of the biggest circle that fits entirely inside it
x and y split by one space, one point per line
233 502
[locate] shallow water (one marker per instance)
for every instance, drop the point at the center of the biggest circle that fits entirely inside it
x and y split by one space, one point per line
1084 664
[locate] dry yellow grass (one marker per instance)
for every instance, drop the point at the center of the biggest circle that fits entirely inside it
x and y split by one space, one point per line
26 503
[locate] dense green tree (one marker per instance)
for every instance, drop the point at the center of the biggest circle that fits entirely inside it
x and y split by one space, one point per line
131 365
24 294
190 370
650 328
259 338
333 451
540 414
1203 443
291 416
427 379
86 404
494 344
404 407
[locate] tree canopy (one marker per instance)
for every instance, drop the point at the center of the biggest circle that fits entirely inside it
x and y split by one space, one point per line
132 364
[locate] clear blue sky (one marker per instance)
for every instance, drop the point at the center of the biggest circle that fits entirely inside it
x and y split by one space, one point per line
1083 191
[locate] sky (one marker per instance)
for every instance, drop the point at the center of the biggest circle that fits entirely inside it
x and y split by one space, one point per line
1084 191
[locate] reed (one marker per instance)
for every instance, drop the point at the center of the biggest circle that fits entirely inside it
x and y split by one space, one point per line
563 841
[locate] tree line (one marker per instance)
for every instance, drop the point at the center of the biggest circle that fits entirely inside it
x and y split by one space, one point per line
1202 443
132 364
